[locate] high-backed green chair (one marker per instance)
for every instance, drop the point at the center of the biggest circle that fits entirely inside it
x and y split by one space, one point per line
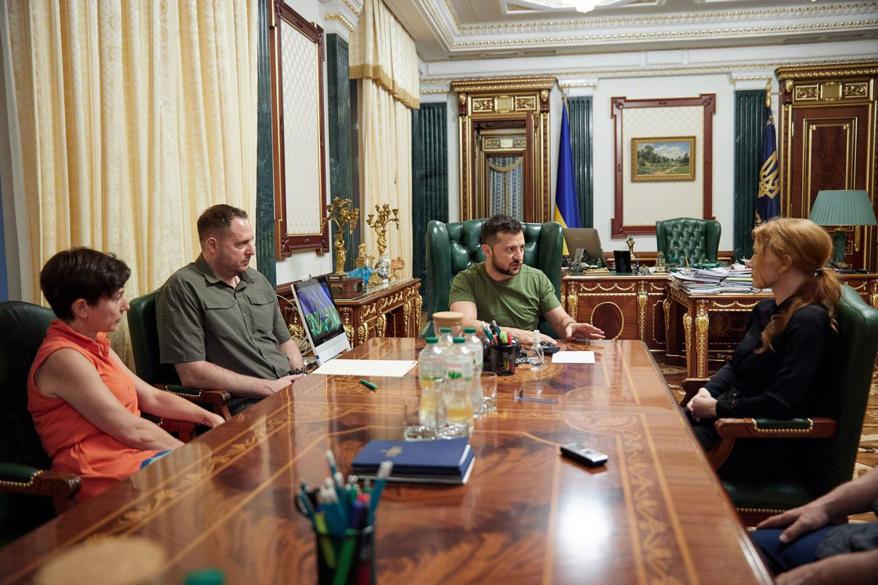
687 238
24 465
452 247
818 453
145 345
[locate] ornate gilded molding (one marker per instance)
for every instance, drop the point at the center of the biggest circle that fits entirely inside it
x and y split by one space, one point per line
702 323
341 19
820 70
618 309
687 330
489 84
642 299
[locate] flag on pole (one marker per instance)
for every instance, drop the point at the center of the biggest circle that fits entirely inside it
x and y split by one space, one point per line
768 196
566 208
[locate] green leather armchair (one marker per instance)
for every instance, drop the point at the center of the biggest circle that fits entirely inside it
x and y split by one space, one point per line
452 247
688 238
818 453
145 345
24 465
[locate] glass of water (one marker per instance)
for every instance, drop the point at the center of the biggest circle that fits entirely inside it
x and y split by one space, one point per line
489 392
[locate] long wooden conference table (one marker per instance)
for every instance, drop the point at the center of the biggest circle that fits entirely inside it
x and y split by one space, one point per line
654 514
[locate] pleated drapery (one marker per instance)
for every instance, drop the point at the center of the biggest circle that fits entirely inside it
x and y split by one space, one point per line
133 118
384 60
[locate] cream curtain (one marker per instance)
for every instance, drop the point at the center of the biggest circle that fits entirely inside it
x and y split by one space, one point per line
134 116
383 57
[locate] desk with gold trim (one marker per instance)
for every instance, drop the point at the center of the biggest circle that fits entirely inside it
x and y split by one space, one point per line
692 329
391 310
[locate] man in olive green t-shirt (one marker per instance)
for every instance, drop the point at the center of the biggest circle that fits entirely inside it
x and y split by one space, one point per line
218 320
505 290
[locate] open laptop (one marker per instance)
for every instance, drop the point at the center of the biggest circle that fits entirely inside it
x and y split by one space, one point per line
320 318
588 240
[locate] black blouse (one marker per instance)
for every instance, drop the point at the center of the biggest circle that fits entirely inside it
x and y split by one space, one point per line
783 382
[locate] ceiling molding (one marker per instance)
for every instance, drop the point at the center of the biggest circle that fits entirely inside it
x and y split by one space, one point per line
441 35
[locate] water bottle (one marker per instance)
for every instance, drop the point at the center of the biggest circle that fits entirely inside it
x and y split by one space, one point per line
445 338
536 352
457 391
431 375
474 343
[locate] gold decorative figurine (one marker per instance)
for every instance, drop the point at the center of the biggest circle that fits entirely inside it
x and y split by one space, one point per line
379 223
345 218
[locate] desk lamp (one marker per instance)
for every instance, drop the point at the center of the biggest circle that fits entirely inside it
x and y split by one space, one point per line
842 208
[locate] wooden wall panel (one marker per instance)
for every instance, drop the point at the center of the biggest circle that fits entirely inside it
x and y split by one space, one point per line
827 141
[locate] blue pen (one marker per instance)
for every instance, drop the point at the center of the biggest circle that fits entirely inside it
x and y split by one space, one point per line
380 479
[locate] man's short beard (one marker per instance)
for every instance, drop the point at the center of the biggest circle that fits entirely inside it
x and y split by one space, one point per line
508 271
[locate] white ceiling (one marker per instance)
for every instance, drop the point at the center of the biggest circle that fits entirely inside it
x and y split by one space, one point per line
465 29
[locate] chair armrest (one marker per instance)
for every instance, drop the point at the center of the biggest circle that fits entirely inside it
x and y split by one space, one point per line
769 428
182 429
731 429
22 479
213 400
691 386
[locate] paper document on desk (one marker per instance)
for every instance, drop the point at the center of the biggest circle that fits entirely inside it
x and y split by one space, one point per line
382 368
573 357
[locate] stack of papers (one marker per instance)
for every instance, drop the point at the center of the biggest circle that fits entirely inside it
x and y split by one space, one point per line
735 280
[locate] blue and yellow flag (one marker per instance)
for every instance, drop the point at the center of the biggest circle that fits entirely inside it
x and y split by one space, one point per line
566 207
768 196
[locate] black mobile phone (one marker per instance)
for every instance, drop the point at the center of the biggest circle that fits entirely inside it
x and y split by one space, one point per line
584 455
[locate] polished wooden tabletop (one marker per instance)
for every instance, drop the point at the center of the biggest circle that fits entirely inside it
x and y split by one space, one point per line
654 514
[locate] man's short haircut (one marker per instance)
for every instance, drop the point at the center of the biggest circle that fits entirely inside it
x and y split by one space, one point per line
81 273
217 218
497 224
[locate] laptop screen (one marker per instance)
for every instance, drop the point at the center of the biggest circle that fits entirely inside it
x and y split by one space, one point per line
320 318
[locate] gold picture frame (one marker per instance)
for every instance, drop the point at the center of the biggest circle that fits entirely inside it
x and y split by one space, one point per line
663 158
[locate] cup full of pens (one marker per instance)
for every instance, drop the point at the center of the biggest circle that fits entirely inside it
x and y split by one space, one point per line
342 516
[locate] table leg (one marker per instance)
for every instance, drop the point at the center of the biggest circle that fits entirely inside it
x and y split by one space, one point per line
687 331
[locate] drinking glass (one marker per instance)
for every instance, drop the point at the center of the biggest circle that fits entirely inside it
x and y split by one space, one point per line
489 392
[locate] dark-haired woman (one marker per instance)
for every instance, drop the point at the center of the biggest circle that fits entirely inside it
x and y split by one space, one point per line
781 367
84 401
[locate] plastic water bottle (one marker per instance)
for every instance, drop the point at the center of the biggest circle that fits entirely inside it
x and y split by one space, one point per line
457 391
431 375
445 338
536 352
474 344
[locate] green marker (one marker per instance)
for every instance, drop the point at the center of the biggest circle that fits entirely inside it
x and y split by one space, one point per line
369 385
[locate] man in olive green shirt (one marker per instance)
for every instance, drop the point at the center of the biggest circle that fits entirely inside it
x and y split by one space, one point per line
505 290
218 320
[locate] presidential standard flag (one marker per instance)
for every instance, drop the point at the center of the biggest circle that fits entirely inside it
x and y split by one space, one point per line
566 208
768 196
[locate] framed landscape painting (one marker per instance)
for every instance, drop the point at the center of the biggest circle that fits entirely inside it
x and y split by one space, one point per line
663 159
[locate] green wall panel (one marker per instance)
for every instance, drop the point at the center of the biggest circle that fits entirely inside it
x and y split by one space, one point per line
581 131
264 221
429 180
341 170
750 119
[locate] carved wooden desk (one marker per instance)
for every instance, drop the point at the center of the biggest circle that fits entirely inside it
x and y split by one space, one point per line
623 305
391 311
654 514
692 314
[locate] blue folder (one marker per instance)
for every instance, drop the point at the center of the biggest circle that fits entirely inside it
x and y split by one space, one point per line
418 461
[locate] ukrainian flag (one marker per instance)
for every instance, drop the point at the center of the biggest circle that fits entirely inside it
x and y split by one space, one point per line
566 208
768 196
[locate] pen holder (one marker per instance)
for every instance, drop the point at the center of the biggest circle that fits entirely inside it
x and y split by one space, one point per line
347 559
343 557
500 359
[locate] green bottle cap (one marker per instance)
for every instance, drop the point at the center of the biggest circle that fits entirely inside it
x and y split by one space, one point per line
455 375
458 340
205 577
469 329
431 339
445 330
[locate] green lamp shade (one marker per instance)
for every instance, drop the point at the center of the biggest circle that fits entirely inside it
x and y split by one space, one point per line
847 207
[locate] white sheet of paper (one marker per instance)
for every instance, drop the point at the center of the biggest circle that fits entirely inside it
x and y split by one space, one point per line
381 368
573 357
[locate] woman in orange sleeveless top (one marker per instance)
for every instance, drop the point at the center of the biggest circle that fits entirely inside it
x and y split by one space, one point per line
84 401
